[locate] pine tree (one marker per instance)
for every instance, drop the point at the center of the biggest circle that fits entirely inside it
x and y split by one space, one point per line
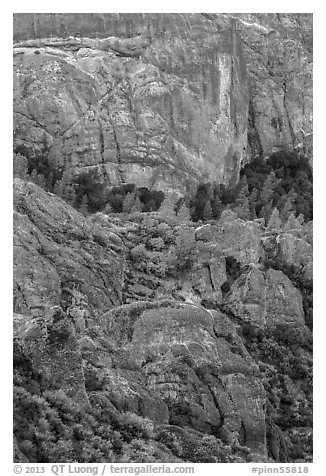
287 209
210 192
300 219
266 211
217 207
185 248
207 212
242 208
61 185
292 223
40 181
183 213
70 195
271 182
274 222
167 208
128 202
33 176
20 167
253 201
84 205
227 215
108 209
137 205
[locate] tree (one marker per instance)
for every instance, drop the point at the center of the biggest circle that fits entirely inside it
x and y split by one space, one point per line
242 208
167 208
108 209
274 222
70 195
292 223
61 185
84 205
266 211
269 186
207 213
137 205
227 215
183 213
20 167
287 209
128 202
185 248
253 201
300 219
217 207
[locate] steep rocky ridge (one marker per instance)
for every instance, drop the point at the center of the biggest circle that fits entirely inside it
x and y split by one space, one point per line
181 358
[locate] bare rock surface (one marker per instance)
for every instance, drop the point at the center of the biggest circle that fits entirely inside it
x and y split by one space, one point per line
195 362
60 258
234 237
151 103
266 298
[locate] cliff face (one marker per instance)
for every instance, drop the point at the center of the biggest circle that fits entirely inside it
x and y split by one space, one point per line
98 316
278 51
186 342
160 101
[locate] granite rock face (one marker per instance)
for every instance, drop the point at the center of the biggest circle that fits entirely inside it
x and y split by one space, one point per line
60 258
278 50
160 101
266 298
195 362
184 367
51 345
234 237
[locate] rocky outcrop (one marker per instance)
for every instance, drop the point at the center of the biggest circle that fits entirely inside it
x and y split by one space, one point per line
278 51
192 372
161 101
51 345
234 237
209 271
61 258
265 298
194 361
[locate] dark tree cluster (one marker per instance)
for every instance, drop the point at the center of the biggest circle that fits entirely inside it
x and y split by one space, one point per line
284 179
282 182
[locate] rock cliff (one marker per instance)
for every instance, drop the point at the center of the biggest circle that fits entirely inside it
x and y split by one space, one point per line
144 336
161 100
185 358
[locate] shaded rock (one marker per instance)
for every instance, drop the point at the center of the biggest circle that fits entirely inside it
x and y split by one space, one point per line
234 237
208 273
18 456
267 298
57 253
188 355
51 345
278 49
295 251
